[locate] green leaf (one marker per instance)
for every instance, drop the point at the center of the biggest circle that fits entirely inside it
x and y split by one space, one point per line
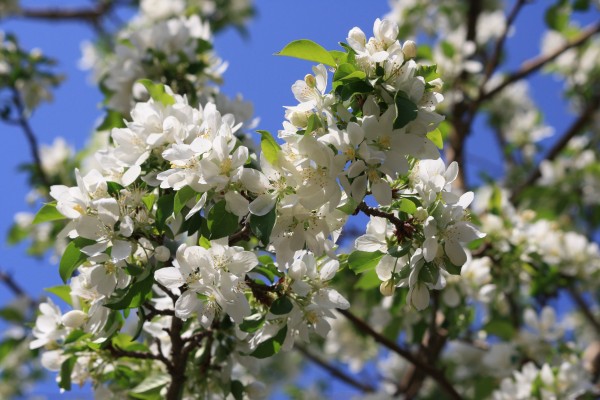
436 137
281 306
353 88
305 49
362 261
262 226
237 390
369 280
63 292
164 209
113 119
182 196
270 148
66 369
270 346
157 92
448 49
152 382
47 213
407 206
348 72
17 234
429 72
114 188
252 323
72 258
557 17
349 207
340 57
429 273
313 123
501 328
74 336
132 296
406 110
220 222
148 200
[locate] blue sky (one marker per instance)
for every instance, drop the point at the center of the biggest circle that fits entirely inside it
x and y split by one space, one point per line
253 72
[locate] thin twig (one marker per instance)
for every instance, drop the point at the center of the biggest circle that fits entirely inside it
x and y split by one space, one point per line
497 52
575 128
404 229
535 64
336 372
583 307
14 287
430 370
31 138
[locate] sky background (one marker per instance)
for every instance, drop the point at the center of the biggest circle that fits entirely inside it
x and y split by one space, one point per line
253 71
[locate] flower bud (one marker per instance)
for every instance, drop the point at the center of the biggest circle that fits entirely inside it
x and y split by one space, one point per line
421 214
310 80
74 319
298 119
162 253
387 288
409 48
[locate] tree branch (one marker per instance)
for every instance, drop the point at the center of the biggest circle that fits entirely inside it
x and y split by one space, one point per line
497 52
578 125
583 307
23 122
14 287
91 15
404 229
336 372
430 370
533 65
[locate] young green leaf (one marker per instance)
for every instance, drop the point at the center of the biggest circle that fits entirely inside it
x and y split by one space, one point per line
48 213
406 110
270 346
220 222
262 226
270 148
157 92
361 261
305 49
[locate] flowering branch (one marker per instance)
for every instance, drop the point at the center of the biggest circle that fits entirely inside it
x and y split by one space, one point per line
428 369
497 52
336 372
404 229
533 65
578 125
583 307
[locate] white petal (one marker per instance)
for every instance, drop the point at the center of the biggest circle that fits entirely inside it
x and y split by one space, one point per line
169 277
455 252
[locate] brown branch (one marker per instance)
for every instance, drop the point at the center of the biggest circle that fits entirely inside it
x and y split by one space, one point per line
119 353
583 307
23 122
497 52
430 370
178 361
336 372
404 229
578 125
14 287
91 15
533 65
